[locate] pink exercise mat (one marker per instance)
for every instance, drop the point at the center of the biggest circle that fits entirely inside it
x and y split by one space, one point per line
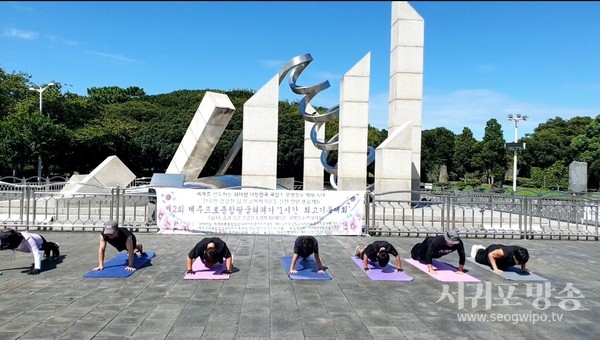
204 273
443 272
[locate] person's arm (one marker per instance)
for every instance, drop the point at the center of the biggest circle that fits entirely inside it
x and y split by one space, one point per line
293 265
101 250
131 253
523 269
228 260
461 258
394 252
429 257
492 256
37 263
365 261
399 264
319 263
188 264
229 264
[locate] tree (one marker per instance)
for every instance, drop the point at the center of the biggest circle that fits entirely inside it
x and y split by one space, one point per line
13 89
586 148
467 153
437 148
115 94
493 152
25 136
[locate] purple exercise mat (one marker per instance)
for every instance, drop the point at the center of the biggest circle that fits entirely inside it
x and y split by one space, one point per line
388 273
203 273
443 272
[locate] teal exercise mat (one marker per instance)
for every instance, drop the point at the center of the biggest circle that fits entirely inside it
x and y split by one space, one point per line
511 273
115 268
307 269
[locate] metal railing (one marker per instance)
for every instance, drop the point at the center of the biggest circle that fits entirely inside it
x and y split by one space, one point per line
559 216
42 206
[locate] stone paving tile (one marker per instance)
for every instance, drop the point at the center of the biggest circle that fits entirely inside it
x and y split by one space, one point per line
259 301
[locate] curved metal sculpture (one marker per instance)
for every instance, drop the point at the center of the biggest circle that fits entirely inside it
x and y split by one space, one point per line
296 65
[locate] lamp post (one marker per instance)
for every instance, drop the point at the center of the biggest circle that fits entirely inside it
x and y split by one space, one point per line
516 118
41 90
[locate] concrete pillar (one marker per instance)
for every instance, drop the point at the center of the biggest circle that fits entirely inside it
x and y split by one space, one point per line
260 129
353 126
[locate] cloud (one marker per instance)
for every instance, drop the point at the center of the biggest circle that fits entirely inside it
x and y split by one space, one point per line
113 56
60 40
20 34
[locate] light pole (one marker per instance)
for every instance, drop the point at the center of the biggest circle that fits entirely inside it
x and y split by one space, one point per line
516 118
41 90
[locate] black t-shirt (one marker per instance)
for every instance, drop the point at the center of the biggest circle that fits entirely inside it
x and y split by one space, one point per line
436 247
372 249
120 242
502 263
222 252
314 246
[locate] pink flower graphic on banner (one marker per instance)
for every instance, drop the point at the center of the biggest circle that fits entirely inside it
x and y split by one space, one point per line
160 214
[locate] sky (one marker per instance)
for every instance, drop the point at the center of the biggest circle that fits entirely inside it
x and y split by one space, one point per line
482 60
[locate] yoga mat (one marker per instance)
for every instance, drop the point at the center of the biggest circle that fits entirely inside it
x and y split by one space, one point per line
115 268
444 272
512 273
307 270
204 273
388 273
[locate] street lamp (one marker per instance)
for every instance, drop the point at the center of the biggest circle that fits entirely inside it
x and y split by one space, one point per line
41 90
516 118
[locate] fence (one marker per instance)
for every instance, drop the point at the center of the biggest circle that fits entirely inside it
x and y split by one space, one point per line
557 216
42 206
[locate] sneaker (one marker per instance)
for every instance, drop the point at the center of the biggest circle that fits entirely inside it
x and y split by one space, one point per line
357 252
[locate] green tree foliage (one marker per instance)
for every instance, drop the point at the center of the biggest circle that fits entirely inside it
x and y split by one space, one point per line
586 148
25 136
13 89
437 148
554 177
467 154
493 152
550 142
115 94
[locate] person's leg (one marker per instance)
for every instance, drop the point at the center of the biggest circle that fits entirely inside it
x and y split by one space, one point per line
138 248
475 249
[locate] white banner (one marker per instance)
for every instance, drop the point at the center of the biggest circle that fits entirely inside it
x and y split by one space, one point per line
259 212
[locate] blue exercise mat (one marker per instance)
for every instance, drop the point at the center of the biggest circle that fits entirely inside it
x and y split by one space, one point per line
513 273
307 270
115 268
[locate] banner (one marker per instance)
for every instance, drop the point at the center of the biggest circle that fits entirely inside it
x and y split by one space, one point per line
259 212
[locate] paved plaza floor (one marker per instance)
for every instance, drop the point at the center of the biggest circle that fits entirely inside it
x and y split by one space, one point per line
259 301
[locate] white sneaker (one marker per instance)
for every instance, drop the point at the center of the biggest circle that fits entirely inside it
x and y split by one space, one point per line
475 248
